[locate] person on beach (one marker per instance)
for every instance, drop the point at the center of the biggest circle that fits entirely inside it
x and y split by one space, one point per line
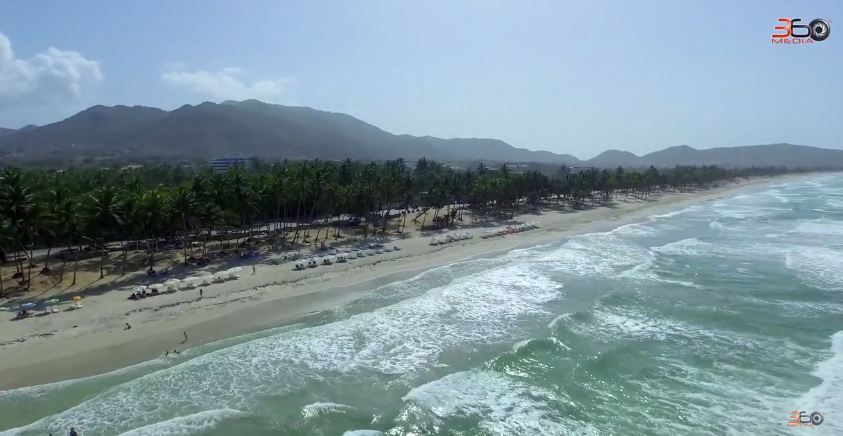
185 337
253 270
128 326
200 293
73 432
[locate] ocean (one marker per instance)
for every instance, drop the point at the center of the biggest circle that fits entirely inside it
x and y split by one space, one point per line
720 318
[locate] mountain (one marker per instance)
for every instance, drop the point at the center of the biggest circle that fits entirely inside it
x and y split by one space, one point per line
250 128
113 135
614 159
789 155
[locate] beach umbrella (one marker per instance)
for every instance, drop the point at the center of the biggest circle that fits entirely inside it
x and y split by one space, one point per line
27 306
172 283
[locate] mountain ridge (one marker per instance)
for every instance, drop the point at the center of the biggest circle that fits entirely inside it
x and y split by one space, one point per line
136 134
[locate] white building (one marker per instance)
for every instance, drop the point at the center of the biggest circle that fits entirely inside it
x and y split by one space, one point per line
226 163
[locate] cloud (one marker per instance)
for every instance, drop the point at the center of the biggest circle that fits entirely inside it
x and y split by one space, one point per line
52 76
229 84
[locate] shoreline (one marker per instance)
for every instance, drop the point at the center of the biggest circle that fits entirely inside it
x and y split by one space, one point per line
92 341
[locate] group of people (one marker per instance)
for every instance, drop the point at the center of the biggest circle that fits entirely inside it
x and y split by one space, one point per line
137 295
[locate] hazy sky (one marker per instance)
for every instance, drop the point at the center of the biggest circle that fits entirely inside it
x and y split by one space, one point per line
575 77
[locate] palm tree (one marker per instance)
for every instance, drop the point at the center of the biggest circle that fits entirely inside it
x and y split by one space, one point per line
66 213
209 216
5 241
19 207
103 218
184 208
154 210
41 208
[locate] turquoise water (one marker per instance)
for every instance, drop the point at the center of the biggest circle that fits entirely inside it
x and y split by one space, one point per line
720 318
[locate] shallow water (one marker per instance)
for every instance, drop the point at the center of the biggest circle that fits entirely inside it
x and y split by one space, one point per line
719 318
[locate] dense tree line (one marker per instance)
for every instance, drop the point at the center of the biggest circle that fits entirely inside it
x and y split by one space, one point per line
289 204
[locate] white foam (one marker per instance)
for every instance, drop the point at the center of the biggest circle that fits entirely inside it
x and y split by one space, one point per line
817 266
827 397
561 318
821 226
317 409
607 324
738 211
501 405
603 254
187 425
686 247
715 225
363 433
693 208
685 283
836 204
784 197
398 339
635 229
521 344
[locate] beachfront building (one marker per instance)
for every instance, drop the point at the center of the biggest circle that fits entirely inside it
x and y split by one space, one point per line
226 163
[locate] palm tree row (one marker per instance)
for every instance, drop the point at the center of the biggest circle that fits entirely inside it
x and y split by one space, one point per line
291 204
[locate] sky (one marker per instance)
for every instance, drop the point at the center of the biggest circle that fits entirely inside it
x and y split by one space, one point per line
565 76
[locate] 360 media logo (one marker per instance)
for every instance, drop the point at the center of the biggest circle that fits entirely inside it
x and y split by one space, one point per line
801 418
790 31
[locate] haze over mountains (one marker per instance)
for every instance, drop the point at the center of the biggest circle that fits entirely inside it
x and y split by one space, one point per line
123 134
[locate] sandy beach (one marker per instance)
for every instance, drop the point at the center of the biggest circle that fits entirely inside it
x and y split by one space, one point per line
92 340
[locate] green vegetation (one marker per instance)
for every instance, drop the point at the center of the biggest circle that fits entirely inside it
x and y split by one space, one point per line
286 204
